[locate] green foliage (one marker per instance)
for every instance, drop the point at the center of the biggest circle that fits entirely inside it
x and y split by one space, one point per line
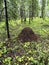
7 61
4 50
35 53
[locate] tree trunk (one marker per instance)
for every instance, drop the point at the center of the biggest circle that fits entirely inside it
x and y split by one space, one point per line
6 15
46 61
21 14
43 9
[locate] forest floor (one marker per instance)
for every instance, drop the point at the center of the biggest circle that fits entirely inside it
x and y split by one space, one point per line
28 53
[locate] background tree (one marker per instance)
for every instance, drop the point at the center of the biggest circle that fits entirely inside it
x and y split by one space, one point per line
43 8
34 8
1 9
12 9
22 11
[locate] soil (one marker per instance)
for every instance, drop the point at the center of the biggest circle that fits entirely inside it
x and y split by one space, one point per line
27 35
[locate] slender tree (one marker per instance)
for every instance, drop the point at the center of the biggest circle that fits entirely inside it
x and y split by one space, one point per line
6 15
12 13
46 61
30 11
1 6
34 8
43 8
21 13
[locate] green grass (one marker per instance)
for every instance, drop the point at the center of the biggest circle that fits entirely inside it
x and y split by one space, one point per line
29 53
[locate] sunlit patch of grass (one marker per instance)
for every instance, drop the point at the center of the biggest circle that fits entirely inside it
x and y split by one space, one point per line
2 24
18 21
37 25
